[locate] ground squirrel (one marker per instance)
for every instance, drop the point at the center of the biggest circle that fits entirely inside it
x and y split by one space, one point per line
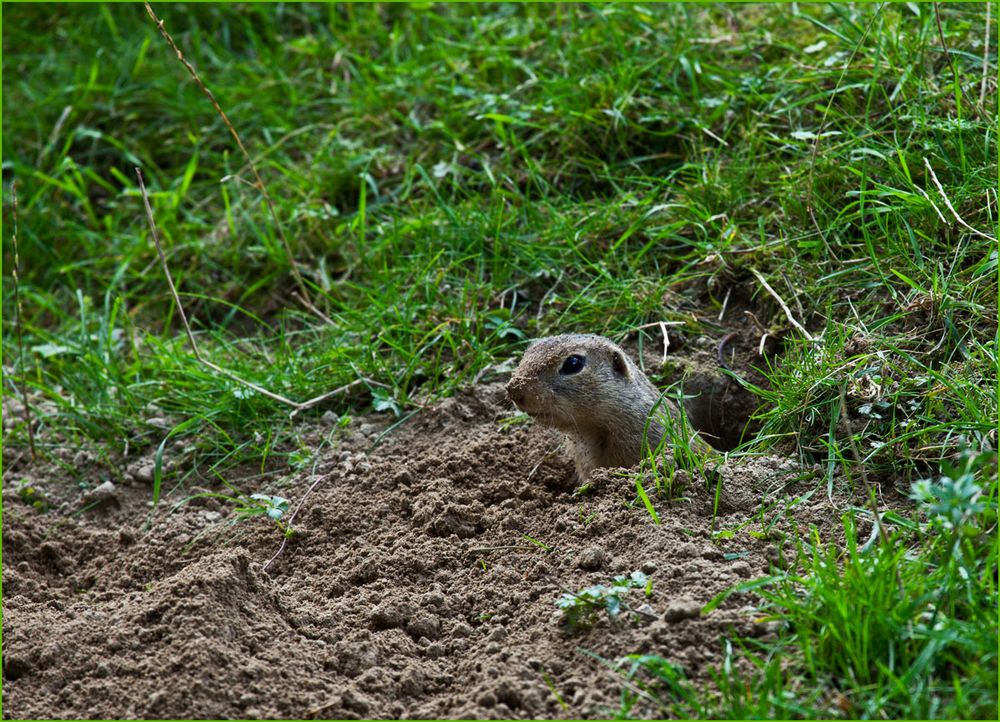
587 386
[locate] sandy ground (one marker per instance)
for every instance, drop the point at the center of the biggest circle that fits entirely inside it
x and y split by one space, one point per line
421 580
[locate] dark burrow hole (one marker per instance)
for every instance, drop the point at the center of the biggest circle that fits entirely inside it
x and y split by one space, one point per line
720 409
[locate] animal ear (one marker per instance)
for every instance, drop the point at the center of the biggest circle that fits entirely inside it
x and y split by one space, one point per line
619 364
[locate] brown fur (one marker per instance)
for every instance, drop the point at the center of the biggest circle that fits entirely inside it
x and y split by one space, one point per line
603 408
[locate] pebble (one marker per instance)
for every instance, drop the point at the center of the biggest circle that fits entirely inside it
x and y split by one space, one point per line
741 568
591 558
682 609
100 493
412 682
646 612
143 471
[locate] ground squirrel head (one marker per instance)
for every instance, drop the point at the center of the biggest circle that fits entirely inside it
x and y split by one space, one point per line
578 382
588 387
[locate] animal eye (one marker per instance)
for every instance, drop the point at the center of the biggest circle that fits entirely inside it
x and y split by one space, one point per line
572 365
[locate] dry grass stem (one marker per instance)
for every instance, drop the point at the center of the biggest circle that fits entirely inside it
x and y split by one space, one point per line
319 314
951 208
17 325
784 306
662 325
986 61
194 343
725 303
548 293
298 507
945 50
259 182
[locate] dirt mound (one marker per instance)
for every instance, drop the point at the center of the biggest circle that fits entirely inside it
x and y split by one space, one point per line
421 582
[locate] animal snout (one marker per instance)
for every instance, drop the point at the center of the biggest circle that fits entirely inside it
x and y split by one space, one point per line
516 391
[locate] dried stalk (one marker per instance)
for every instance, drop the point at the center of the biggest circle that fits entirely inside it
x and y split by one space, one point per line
259 183
784 306
951 207
17 326
194 343
986 59
944 48
302 501
662 325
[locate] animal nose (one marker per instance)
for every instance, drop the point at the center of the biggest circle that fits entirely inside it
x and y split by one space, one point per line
515 391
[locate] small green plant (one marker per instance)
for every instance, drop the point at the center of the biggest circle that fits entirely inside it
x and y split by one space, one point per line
583 609
300 458
273 507
586 519
863 621
954 503
33 496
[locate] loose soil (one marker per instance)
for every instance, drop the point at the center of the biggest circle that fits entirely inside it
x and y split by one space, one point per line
420 582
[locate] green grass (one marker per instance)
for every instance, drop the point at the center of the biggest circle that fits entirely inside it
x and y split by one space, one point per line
904 630
454 180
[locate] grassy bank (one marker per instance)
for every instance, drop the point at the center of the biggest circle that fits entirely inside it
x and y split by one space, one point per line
454 180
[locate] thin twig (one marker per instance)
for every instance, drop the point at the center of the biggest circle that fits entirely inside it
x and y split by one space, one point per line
659 324
944 47
666 340
339 390
284 540
163 263
253 168
784 306
986 62
725 303
308 304
190 334
17 326
662 325
756 321
951 207
510 547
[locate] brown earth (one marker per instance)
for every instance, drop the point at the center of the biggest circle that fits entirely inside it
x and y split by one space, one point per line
421 580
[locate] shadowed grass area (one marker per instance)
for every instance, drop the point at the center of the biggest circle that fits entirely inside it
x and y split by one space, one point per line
456 179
